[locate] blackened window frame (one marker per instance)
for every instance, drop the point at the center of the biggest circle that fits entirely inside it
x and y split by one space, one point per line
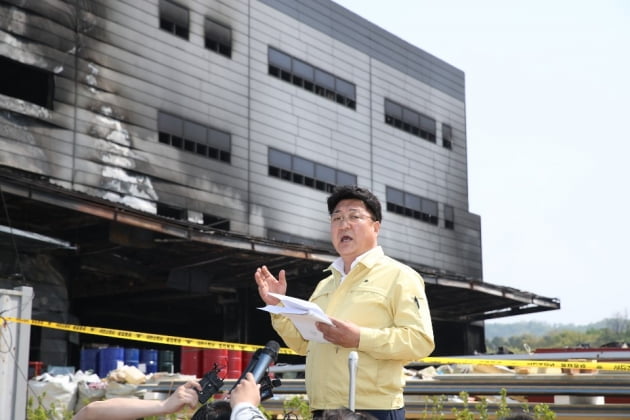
172 20
29 83
218 37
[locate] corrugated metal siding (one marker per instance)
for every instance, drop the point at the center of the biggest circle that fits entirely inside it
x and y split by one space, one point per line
101 137
341 24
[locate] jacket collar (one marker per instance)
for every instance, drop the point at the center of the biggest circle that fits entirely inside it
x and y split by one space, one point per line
368 259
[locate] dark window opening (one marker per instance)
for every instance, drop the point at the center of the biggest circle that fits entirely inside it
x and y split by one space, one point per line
298 81
202 149
299 73
29 83
171 212
181 214
216 222
177 142
447 136
200 140
449 217
167 25
306 172
218 38
410 121
174 19
164 138
411 205
181 31
189 146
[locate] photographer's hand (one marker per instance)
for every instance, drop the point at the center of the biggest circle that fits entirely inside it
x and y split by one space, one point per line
131 408
247 391
184 395
268 283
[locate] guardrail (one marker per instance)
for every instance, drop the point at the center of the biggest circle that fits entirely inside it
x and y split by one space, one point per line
521 388
418 393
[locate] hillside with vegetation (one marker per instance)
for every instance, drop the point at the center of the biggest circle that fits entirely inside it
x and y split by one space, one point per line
521 337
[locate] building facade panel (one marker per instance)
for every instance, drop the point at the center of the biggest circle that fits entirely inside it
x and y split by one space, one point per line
125 91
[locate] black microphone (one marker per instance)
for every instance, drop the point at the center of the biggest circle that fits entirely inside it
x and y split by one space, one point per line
261 360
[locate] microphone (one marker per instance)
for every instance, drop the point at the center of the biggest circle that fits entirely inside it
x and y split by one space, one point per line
261 360
353 361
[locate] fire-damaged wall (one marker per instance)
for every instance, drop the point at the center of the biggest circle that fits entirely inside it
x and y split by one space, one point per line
94 129
79 100
174 108
81 137
176 145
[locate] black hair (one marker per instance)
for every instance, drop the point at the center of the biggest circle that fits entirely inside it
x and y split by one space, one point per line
352 192
215 410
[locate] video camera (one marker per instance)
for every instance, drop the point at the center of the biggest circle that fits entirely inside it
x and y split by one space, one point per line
211 383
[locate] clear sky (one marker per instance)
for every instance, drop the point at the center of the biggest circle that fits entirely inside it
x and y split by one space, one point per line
548 105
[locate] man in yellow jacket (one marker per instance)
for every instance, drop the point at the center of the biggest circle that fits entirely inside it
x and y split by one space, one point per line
377 305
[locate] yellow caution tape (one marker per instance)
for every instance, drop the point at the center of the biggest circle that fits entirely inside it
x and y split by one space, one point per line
562 364
140 336
209 344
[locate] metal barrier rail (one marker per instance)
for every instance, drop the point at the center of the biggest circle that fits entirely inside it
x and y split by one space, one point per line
418 404
418 392
531 384
452 384
486 384
422 410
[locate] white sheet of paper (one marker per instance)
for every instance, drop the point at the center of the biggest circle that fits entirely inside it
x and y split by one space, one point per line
303 314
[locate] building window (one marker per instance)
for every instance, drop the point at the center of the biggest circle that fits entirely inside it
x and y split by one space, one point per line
410 121
29 83
412 205
307 172
174 18
194 138
449 217
299 73
447 136
218 38
178 213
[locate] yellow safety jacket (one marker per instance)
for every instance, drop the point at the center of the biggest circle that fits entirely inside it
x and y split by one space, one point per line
386 299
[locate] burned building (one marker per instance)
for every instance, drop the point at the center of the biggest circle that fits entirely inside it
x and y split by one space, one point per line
154 153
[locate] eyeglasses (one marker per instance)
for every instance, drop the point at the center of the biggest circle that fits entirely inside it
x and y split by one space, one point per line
353 218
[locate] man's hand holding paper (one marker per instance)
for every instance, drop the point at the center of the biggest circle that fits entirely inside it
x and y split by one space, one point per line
303 314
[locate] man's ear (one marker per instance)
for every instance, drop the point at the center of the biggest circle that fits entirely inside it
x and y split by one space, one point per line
377 227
